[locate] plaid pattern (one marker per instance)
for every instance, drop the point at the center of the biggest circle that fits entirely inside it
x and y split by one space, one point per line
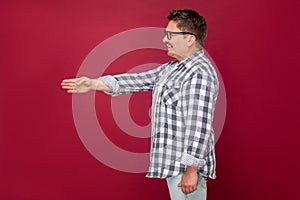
184 96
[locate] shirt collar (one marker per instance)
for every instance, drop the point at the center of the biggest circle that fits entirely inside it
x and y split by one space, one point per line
192 58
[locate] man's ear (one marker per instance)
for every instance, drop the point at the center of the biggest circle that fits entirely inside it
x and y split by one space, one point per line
191 39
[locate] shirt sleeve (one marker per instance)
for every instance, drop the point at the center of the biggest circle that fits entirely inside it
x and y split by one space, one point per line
198 99
133 82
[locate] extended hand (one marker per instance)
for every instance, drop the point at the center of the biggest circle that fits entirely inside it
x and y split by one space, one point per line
189 180
79 85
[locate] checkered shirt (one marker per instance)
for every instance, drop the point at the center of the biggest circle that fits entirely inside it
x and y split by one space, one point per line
183 100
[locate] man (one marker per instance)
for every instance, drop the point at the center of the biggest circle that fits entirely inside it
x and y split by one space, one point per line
184 96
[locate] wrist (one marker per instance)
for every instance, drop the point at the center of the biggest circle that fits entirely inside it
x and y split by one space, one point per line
190 169
94 85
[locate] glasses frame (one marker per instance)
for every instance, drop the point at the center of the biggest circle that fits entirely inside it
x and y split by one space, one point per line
169 33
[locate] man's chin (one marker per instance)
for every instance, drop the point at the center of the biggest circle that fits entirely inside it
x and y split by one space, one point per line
170 53
174 55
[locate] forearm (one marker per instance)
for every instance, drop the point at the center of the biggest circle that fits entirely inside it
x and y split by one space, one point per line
124 84
101 86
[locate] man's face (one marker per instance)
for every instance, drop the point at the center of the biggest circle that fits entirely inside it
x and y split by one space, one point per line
177 45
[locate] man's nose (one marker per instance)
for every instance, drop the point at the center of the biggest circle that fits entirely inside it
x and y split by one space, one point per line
165 39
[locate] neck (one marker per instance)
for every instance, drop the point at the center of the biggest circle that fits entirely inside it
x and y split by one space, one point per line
188 54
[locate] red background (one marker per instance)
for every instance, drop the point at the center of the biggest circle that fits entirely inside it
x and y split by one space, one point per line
254 43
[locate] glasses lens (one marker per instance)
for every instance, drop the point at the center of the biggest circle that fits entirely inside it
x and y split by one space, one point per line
168 34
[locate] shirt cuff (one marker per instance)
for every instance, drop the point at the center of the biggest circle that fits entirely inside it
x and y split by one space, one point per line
112 83
190 160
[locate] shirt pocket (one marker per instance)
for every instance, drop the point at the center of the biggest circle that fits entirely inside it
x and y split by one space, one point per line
171 93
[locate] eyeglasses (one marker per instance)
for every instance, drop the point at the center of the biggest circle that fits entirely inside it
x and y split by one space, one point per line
169 34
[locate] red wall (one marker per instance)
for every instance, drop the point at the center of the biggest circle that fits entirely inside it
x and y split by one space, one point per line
253 43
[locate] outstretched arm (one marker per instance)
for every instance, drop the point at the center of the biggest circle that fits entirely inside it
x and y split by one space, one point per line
84 84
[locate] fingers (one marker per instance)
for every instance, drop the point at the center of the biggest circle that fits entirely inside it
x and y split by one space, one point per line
69 85
67 81
187 189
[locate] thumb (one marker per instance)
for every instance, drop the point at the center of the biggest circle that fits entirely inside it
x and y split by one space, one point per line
179 185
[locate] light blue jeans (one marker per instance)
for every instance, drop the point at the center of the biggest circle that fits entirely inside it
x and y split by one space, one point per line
177 194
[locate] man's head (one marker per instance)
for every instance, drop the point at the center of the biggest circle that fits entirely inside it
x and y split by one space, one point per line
185 33
190 21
